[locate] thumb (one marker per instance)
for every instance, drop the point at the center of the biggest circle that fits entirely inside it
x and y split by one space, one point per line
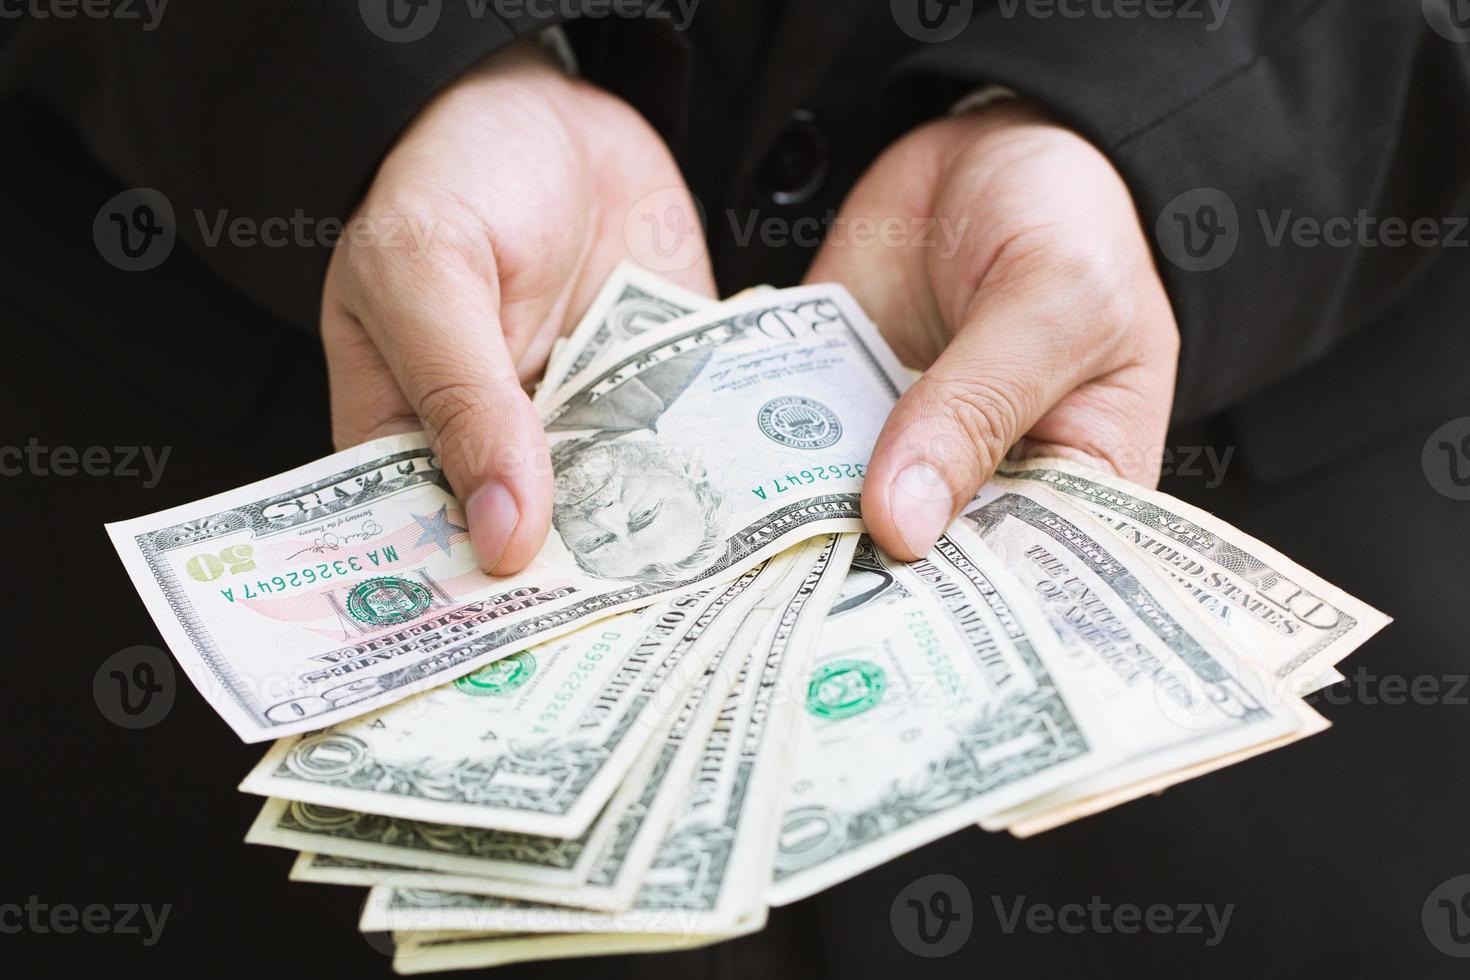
443 344
493 451
1001 373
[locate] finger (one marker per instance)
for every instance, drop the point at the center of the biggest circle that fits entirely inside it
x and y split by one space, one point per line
366 402
1024 346
1116 423
888 278
435 319
882 280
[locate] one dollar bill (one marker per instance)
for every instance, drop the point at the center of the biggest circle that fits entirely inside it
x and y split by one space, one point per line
710 876
935 700
536 743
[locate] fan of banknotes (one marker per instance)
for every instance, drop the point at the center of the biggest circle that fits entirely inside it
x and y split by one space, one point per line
710 694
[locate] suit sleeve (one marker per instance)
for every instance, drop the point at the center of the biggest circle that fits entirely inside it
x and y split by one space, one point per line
274 109
1231 122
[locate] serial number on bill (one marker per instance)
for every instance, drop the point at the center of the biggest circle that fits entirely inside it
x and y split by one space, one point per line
806 477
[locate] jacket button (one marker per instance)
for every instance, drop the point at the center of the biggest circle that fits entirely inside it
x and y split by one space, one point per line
798 164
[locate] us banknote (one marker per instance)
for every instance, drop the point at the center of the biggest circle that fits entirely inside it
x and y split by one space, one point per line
533 866
692 452
1172 693
710 876
630 303
1297 624
535 743
936 699
1072 643
435 952
415 902
616 870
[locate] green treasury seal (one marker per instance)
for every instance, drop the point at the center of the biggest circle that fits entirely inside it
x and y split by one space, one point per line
843 688
387 601
798 422
501 677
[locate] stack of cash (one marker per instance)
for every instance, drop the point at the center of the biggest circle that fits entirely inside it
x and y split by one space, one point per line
710 694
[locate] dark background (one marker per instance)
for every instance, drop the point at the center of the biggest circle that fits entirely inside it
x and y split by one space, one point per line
1328 849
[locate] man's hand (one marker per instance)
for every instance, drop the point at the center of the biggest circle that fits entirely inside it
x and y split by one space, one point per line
1048 321
486 233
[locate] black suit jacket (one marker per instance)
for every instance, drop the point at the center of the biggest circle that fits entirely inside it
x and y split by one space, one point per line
1301 108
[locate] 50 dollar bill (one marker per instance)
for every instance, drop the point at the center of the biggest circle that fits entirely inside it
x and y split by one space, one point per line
711 443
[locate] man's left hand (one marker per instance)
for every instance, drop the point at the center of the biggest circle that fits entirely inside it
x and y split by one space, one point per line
1038 313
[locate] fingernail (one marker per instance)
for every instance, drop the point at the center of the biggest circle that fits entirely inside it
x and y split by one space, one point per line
921 504
493 515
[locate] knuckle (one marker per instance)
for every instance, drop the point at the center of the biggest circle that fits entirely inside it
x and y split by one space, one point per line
1091 274
452 412
1084 294
985 415
403 230
1020 255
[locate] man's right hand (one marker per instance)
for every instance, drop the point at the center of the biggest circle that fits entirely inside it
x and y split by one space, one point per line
487 231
